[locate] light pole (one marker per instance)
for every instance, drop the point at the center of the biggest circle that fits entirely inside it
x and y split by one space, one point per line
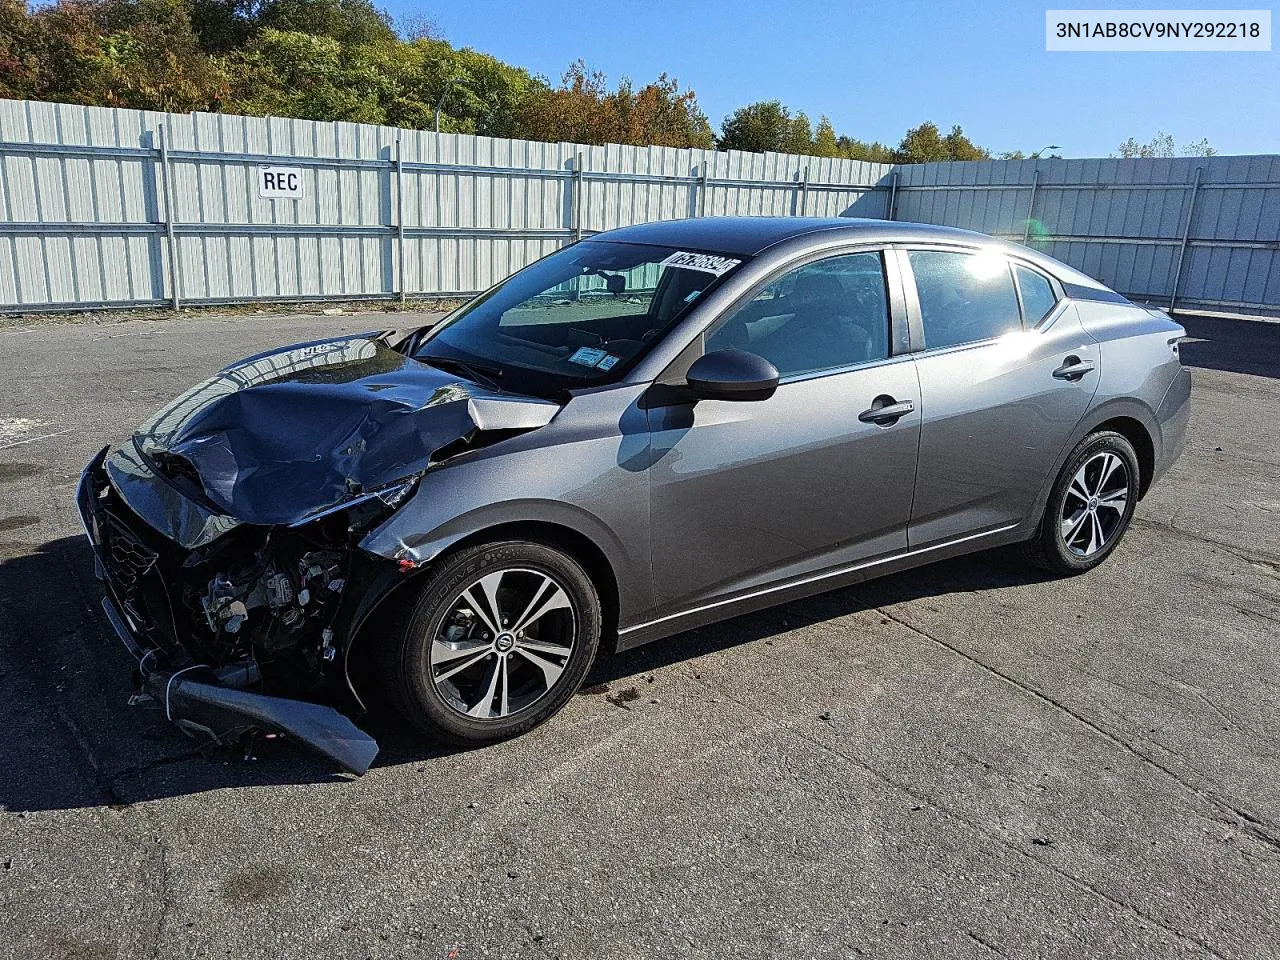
444 93
1034 156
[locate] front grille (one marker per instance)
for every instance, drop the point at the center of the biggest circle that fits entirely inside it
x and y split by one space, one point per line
127 560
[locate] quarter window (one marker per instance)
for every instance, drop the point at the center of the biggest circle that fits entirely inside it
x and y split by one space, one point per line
825 315
964 297
1037 295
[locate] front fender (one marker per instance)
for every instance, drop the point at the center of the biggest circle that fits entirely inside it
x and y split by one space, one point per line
405 540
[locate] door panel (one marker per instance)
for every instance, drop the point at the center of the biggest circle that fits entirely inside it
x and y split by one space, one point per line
748 494
995 418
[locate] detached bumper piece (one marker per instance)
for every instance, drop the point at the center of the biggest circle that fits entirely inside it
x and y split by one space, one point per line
205 702
225 714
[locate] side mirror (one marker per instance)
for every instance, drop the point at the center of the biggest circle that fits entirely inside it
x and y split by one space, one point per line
732 375
615 283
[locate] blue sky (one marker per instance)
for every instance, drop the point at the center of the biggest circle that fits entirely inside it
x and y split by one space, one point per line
878 68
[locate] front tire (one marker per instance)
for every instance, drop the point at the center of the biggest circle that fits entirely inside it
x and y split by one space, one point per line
499 638
1090 507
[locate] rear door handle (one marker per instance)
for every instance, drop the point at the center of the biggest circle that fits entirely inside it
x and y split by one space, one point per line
1073 368
885 411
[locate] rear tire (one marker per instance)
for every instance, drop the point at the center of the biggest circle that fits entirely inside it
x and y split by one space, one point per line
1089 508
468 674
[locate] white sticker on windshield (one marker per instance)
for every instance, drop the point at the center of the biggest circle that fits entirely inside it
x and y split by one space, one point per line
706 262
607 362
587 356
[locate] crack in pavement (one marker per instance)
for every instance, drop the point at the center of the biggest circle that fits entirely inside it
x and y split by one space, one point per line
1255 826
990 946
924 798
1079 882
1271 561
164 897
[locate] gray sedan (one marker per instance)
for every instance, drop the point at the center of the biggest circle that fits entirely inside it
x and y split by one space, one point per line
655 428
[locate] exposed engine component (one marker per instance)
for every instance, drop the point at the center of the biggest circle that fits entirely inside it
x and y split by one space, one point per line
223 607
262 607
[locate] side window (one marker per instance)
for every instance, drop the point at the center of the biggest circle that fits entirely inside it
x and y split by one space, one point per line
964 297
825 315
1037 295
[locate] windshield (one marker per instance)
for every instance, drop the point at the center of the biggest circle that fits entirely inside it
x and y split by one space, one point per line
579 317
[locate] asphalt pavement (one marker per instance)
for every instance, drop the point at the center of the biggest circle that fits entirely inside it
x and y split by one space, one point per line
962 761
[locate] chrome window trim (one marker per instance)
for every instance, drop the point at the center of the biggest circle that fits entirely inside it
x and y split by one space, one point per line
887 273
848 368
1054 287
916 317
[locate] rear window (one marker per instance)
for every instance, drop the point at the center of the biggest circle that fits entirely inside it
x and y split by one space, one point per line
1038 299
964 297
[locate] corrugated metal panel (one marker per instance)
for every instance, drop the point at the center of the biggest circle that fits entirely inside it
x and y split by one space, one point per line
84 221
1123 221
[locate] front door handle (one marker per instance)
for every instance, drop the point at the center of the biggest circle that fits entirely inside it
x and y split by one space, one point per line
1073 368
885 410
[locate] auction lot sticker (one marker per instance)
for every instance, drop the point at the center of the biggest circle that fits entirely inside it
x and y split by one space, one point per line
706 262
1158 30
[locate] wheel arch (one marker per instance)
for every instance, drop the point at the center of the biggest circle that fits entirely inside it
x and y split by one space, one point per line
1143 443
575 543
1133 420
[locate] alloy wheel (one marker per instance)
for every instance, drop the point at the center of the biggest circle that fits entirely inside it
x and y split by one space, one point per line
1093 510
503 643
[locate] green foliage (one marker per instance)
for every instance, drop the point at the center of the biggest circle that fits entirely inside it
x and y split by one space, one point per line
291 74
1163 145
756 128
873 152
345 60
353 23
926 144
584 110
770 125
142 54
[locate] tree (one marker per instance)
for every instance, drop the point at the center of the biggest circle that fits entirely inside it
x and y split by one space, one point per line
799 138
292 74
658 113
926 144
584 110
825 143
142 54
756 127
1162 145
352 23
20 64
960 147
873 152
1199 148
922 144
418 26
223 25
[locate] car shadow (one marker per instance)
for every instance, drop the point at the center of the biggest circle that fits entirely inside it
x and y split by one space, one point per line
1237 346
72 741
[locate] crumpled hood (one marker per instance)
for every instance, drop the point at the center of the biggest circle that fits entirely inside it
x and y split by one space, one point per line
289 433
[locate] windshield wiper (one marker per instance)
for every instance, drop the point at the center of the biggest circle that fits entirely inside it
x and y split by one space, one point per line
480 372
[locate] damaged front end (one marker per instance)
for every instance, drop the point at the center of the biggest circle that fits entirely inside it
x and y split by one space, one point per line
227 531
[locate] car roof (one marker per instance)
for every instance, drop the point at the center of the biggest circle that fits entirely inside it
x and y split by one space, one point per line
748 236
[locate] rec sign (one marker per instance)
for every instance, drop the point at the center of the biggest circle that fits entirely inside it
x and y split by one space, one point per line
280 183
